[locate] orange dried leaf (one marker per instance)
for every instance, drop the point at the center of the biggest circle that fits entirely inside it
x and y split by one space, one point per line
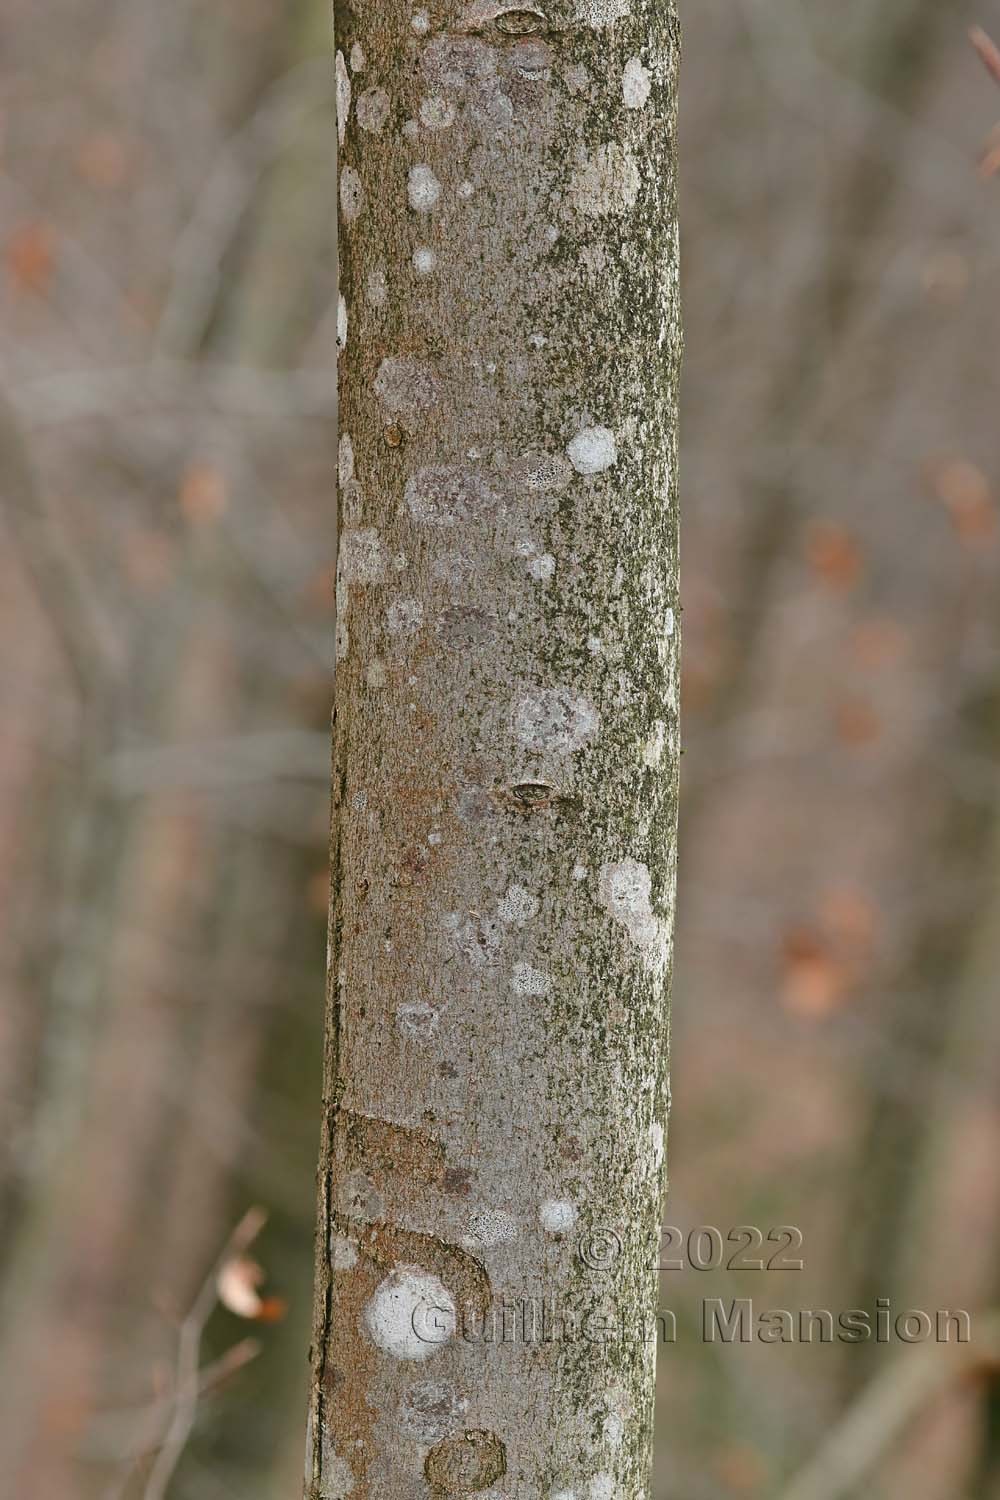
203 494
30 258
814 983
833 554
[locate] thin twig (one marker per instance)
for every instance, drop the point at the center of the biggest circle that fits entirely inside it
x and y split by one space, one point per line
186 1385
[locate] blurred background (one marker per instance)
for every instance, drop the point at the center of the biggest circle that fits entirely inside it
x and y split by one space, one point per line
167 452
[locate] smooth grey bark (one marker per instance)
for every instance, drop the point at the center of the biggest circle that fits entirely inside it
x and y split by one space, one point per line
505 751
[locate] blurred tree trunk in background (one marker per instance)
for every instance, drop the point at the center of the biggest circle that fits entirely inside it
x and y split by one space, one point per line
180 1001
506 748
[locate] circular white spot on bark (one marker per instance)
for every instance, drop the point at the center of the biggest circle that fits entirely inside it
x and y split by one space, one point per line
422 188
345 459
543 567
607 183
424 260
341 324
635 84
491 1226
465 189
420 22
436 113
362 555
411 1314
352 194
405 386
372 109
594 645
404 616
579 872
625 891
417 1019
528 981
555 719
343 96
343 1253
517 906
357 58
592 450
557 1215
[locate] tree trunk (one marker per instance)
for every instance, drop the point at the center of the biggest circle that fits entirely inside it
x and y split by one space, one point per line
506 752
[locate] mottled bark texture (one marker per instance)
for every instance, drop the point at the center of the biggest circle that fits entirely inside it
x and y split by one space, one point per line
506 751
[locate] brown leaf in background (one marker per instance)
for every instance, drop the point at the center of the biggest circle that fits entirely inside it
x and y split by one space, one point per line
30 258
857 723
965 492
814 983
833 554
203 496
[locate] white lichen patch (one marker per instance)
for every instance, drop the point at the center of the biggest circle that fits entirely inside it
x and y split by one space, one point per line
417 1019
600 13
357 58
422 188
601 1487
669 624
517 906
352 195
606 183
343 1252
542 567
424 260
562 1494
345 459
625 891
404 616
613 1429
492 1226
341 324
431 1410
377 286
406 386
656 1142
436 112
557 1215
372 109
636 84
444 494
343 96
652 750
411 1314
420 22
579 873
525 980
363 556
592 450
465 188
555 719
576 78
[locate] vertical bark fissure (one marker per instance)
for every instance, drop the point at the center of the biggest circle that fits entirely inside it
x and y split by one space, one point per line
505 751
